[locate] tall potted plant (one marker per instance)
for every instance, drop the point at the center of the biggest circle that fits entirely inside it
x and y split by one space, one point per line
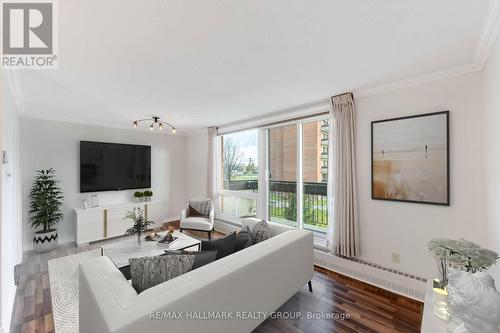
46 199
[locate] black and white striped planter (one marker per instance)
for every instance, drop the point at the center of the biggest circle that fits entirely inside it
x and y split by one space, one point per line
45 241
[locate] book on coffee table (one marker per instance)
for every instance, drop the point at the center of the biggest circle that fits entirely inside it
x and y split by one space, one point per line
168 241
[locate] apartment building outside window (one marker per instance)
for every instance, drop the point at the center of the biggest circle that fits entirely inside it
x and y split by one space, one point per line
295 161
298 165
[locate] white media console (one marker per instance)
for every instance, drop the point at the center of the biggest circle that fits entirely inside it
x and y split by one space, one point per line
98 223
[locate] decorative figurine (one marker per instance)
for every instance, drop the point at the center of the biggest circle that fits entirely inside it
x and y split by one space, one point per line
474 299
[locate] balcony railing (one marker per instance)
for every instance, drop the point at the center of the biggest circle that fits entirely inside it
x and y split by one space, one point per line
283 201
241 185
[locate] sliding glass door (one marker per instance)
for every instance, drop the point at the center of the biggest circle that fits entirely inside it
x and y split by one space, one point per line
282 155
315 175
293 174
298 174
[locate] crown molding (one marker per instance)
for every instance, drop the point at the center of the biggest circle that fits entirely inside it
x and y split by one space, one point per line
197 132
415 81
306 109
310 108
489 35
324 104
15 90
98 124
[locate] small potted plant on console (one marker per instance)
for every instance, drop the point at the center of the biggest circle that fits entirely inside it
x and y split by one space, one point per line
46 199
148 194
138 196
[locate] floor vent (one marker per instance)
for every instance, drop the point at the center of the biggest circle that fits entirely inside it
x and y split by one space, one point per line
390 279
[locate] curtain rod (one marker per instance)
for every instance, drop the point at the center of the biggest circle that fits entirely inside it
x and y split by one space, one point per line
312 115
273 123
346 93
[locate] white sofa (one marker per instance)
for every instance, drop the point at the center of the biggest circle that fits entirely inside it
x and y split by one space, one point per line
258 279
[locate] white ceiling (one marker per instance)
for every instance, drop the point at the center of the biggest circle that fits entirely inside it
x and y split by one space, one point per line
203 63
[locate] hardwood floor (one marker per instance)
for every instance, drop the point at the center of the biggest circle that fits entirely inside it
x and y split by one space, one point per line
354 305
371 309
33 305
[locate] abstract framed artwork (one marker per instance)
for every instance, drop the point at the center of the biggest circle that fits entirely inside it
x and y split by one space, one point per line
411 159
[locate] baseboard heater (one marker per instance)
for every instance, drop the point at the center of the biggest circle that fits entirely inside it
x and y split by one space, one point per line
405 284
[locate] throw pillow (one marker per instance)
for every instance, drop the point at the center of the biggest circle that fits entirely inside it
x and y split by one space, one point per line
224 246
193 212
261 232
126 272
147 272
243 239
199 208
201 258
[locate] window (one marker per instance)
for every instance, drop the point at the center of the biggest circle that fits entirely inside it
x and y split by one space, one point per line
315 175
282 195
238 181
298 174
295 160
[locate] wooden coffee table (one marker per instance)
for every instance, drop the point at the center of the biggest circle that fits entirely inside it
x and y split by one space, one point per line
121 251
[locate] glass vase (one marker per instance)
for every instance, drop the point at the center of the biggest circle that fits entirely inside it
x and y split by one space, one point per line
139 238
440 300
443 272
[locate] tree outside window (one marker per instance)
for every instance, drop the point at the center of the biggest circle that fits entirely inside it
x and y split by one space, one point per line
240 161
239 171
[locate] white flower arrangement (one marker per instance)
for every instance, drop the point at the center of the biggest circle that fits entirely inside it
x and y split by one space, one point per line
462 254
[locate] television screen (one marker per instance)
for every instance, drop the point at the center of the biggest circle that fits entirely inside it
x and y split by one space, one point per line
114 166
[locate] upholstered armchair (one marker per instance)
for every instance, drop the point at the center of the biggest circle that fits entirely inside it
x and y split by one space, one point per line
198 215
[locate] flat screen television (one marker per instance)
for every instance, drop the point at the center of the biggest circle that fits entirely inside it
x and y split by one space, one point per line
114 166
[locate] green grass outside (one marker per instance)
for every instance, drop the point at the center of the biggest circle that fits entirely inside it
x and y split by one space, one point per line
245 177
315 212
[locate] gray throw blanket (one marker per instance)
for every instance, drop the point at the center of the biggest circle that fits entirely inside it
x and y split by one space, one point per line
201 206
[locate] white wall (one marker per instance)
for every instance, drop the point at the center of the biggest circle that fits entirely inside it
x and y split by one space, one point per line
10 233
50 144
404 228
492 150
197 157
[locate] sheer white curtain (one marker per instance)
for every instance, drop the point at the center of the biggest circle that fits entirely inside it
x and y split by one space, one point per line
343 230
211 167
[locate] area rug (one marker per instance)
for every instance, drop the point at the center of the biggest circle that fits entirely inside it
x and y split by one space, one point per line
63 277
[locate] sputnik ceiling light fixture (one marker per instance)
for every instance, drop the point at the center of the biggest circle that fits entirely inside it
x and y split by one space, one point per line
156 122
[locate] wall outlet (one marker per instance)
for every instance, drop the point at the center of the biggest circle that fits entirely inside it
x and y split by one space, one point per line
395 258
